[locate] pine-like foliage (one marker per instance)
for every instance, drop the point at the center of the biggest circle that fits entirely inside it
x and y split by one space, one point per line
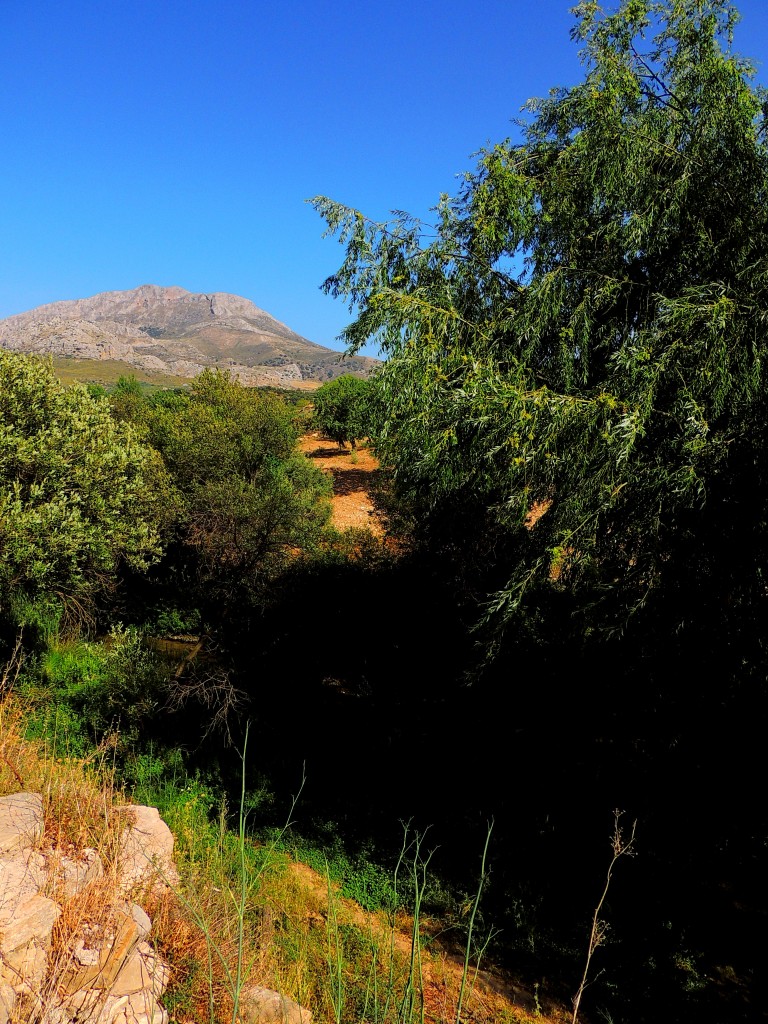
581 341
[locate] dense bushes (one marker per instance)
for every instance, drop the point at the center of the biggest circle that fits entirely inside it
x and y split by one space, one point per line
79 494
245 502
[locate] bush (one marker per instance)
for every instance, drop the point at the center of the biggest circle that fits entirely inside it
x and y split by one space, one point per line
344 409
79 494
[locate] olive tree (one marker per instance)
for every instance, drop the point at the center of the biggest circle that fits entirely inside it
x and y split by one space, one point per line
79 494
344 409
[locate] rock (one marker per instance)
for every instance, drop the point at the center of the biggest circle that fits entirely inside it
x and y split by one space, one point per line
53 1013
146 1009
83 1005
141 920
21 820
114 1011
7 1001
109 973
32 919
100 952
20 878
259 1005
145 971
73 874
26 966
146 852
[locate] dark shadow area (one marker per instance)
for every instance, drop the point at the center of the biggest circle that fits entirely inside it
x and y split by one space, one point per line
346 481
327 453
361 676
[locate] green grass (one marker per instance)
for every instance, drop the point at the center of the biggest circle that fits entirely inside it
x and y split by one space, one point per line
108 371
241 912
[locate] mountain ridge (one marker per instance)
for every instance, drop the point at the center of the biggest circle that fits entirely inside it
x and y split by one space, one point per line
172 331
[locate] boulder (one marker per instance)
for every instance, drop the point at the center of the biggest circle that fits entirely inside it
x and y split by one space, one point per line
146 852
259 1005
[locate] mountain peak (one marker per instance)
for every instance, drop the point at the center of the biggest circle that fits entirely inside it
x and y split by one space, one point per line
173 331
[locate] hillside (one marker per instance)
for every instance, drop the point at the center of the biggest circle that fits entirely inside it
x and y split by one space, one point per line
171 332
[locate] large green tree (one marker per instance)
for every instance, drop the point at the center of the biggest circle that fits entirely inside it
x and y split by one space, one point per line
79 494
577 349
246 500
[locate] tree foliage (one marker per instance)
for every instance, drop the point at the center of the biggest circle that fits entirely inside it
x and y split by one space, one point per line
79 494
344 409
581 341
245 499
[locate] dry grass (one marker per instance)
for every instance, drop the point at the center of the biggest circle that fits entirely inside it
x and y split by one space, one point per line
78 794
298 935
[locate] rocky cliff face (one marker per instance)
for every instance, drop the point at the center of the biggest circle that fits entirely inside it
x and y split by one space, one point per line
173 331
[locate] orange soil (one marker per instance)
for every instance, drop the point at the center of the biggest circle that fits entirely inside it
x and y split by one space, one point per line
351 472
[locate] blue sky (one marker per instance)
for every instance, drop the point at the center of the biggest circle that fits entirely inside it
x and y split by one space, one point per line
169 142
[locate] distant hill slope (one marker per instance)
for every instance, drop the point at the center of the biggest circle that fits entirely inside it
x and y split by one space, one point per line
177 333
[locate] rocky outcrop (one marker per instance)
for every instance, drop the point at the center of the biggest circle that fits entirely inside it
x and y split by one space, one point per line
179 333
146 852
74 938
73 948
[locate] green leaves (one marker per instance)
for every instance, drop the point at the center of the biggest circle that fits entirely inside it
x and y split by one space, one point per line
583 327
245 501
78 492
344 409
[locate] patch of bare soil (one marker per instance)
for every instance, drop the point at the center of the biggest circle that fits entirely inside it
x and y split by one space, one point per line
490 996
351 472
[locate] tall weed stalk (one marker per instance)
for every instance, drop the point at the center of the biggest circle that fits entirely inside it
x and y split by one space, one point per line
471 927
238 895
623 846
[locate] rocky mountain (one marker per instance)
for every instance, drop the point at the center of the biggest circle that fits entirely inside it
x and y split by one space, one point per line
174 332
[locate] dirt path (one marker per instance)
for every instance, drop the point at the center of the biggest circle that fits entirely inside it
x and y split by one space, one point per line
351 472
489 997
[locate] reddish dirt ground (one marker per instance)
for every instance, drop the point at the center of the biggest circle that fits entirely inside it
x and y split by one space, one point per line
351 472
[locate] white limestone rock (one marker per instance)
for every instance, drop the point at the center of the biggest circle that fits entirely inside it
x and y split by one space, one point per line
259 1005
21 821
146 852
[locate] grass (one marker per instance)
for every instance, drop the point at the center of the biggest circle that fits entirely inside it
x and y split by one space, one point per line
349 941
107 372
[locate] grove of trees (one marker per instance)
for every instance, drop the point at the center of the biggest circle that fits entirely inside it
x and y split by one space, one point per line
244 500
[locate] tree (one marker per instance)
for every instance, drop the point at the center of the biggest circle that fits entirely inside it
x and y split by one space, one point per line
343 409
246 501
578 357
79 495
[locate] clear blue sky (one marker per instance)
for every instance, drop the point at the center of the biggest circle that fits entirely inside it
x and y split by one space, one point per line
175 141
